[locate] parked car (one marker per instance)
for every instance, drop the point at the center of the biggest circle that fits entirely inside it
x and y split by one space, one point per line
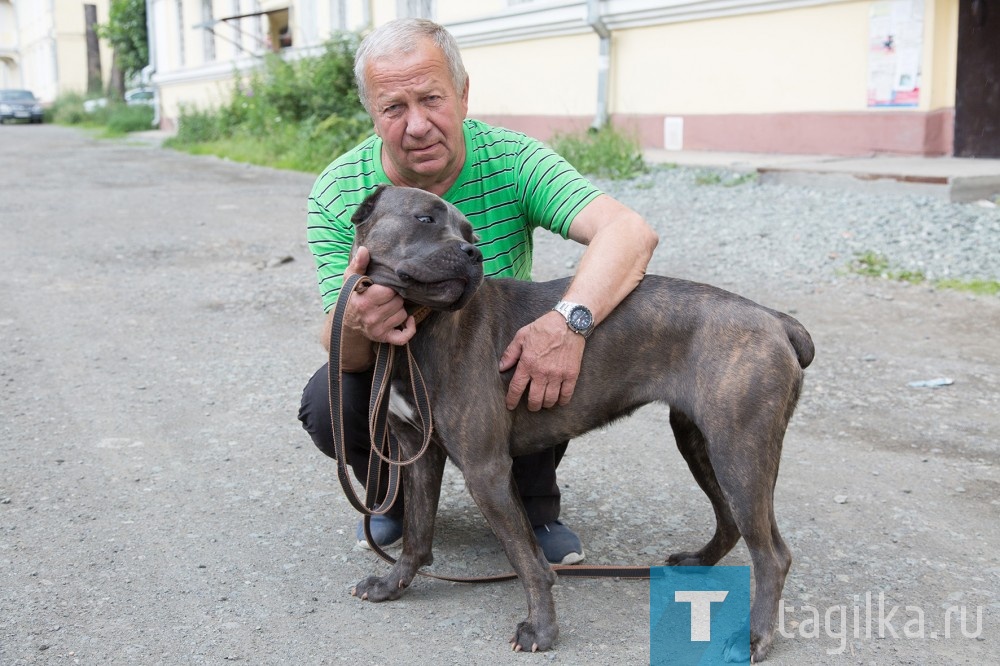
133 97
19 105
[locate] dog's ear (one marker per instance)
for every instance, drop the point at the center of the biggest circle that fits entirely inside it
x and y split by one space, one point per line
367 206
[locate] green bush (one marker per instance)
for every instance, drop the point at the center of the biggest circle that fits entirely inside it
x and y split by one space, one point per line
68 110
123 119
318 144
295 115
605 153
196 126
116 117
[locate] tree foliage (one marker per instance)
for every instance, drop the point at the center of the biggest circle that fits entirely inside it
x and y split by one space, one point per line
126 32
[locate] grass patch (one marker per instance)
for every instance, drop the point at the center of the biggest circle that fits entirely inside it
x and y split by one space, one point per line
710 177
605 153
308 147
978 287
875 265
869 264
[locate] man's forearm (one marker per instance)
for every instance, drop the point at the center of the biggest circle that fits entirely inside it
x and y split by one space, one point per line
613 264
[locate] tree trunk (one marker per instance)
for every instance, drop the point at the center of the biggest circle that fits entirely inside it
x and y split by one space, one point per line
94 79
116 86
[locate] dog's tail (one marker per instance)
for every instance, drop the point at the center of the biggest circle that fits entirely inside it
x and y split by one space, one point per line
799 337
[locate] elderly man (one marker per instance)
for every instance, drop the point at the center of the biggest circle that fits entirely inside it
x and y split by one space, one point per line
412 82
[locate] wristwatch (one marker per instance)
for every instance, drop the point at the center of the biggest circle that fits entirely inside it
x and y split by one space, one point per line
579 318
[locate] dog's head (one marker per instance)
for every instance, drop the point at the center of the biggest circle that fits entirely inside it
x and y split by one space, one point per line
420 245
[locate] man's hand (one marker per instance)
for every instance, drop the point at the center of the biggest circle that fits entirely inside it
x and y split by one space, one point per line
548 357
377 315
546 352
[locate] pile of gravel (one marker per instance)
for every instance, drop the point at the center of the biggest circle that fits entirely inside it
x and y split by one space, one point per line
714 224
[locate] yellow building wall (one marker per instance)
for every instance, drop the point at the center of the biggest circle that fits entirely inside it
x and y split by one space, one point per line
553 76
199 95
71 44
940 55
801 60
49 50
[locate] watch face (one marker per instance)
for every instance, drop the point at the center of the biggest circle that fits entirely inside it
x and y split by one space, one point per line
580 318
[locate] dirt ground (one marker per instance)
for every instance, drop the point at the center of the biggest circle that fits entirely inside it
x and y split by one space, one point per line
159 502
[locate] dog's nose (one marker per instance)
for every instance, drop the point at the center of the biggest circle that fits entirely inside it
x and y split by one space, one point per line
471 251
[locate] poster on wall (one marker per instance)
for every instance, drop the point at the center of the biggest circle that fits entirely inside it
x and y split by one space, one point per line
896 30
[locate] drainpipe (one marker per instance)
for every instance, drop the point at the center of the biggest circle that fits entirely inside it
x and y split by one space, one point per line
53 43
150 69
595 21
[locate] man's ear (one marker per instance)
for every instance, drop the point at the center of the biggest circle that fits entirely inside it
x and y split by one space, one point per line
367 206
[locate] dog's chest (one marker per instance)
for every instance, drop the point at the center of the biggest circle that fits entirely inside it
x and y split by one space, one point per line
402 407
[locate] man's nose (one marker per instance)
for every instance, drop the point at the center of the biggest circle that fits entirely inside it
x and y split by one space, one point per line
417 122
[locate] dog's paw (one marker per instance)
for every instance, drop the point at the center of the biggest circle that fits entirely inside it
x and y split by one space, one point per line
686 559
529 638
378 589
759 648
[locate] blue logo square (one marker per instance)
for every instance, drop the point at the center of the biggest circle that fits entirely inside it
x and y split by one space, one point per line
695 611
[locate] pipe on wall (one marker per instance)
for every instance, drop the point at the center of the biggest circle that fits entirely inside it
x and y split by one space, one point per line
597 24
150 69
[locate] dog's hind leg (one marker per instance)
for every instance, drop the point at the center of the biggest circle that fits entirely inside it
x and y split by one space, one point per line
692 445
422 490
751 501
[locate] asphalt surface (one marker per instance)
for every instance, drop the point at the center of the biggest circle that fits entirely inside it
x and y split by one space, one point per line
159 503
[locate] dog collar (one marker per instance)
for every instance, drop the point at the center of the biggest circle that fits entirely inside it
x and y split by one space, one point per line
420 313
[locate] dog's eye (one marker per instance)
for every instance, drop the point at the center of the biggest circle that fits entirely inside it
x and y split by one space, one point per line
425 219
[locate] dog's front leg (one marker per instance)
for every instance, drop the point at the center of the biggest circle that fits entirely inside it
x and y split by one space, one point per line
492 487
421 490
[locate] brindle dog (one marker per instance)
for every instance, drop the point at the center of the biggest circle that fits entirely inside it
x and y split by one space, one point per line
730 370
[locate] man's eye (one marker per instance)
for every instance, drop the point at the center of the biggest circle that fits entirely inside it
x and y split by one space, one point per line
425 219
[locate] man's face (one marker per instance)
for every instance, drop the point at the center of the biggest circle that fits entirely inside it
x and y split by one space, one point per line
418 113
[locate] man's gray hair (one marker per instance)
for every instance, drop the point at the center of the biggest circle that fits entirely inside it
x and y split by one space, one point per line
400 37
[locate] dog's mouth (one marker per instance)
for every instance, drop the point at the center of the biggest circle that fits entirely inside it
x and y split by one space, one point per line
445 279
448 294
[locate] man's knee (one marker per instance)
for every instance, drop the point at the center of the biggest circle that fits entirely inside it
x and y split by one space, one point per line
314 411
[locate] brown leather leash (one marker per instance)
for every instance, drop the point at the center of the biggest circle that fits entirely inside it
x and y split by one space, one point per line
385 458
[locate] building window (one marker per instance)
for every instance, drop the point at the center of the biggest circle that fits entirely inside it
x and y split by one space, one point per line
279 32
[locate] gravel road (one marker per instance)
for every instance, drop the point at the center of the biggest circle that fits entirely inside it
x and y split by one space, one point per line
159 503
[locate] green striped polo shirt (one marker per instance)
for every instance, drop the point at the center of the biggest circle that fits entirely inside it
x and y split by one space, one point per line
509 184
